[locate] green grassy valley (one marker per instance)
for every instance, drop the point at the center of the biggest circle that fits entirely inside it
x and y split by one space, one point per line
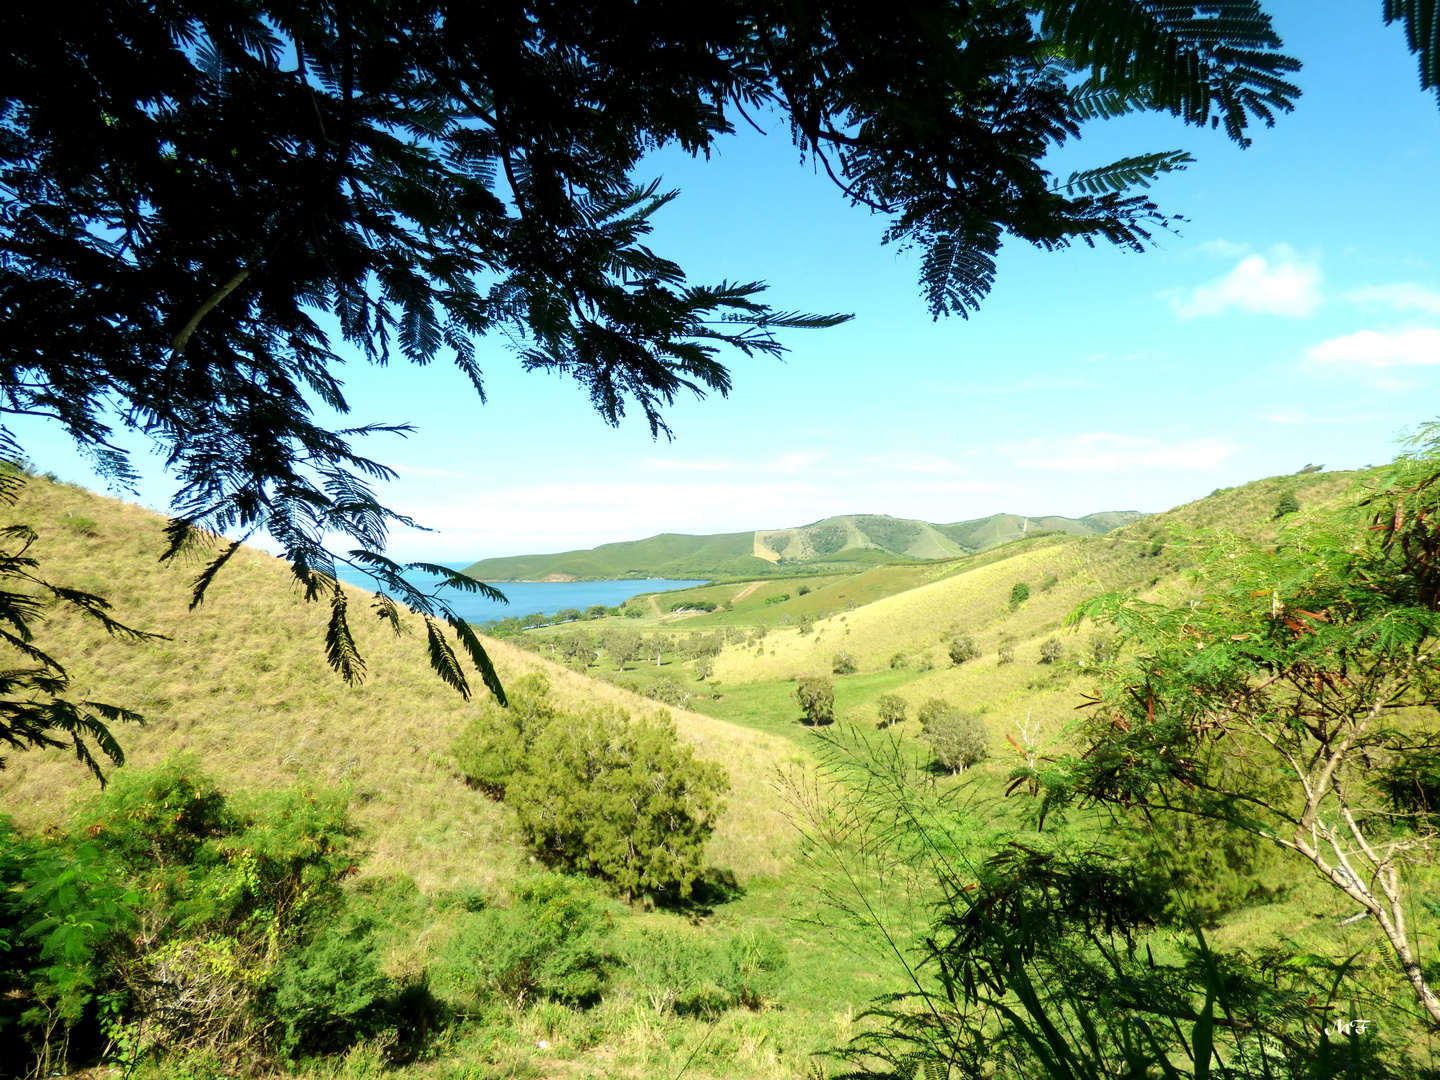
238 692
846 544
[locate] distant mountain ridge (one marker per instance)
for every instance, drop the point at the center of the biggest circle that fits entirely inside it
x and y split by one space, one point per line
850 541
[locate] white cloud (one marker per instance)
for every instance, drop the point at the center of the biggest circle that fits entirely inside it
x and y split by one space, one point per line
1404 296
1282 284
1102 452
1418 346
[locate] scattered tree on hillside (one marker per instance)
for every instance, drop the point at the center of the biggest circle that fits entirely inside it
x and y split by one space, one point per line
958 740
1288 504
962 648
1052 652
577 648
802 590
890 708
1019 593
933 711
806 622
704 668
596 611
816 698
623 646
1006 652
842 663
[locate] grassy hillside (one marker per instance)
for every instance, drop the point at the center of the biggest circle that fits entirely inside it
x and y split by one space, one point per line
242 685
849 543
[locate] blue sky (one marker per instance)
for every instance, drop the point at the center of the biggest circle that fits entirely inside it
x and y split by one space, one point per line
1295 318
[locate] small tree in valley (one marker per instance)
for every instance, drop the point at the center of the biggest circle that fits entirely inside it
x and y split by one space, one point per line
816 697
891 709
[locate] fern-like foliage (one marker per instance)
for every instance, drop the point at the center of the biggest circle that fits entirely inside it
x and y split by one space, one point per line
36 710
1421 19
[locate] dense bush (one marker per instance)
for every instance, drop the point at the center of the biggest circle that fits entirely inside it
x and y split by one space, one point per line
329 994
1019 593
1006 653
842 663
704 668
668 692
1052 652
816 698
597 791
934 710
963 648
806 623
779 598
551 941
176 920
1288 504
757 966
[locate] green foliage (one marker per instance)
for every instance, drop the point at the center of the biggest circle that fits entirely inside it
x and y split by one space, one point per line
802 590
963 648
842 663
806 622
778 598
934 711
330 993
668 692
891 709
1051 651
898 661
494 746
1288 504
551 941
595 611
622 799
1005 654
679 971
958 740
596 791
633 613
1019 593
816 697
704 668
758 960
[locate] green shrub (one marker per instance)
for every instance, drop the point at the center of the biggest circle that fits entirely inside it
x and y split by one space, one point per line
622 799
156 819
679 971
958 740
549 942
1006 652
1019 593
1052 652
934 710
891 709
83 525
704 668
757 967
494 746
816 698
780 598
807 622
596 611
963 648
1288 504
898 661
842 663
330 994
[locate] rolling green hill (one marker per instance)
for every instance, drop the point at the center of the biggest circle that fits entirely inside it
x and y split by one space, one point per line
847 543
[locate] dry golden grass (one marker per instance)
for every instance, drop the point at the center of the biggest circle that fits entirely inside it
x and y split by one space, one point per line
243 687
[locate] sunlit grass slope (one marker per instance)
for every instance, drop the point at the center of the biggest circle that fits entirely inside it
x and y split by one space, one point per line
242 686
